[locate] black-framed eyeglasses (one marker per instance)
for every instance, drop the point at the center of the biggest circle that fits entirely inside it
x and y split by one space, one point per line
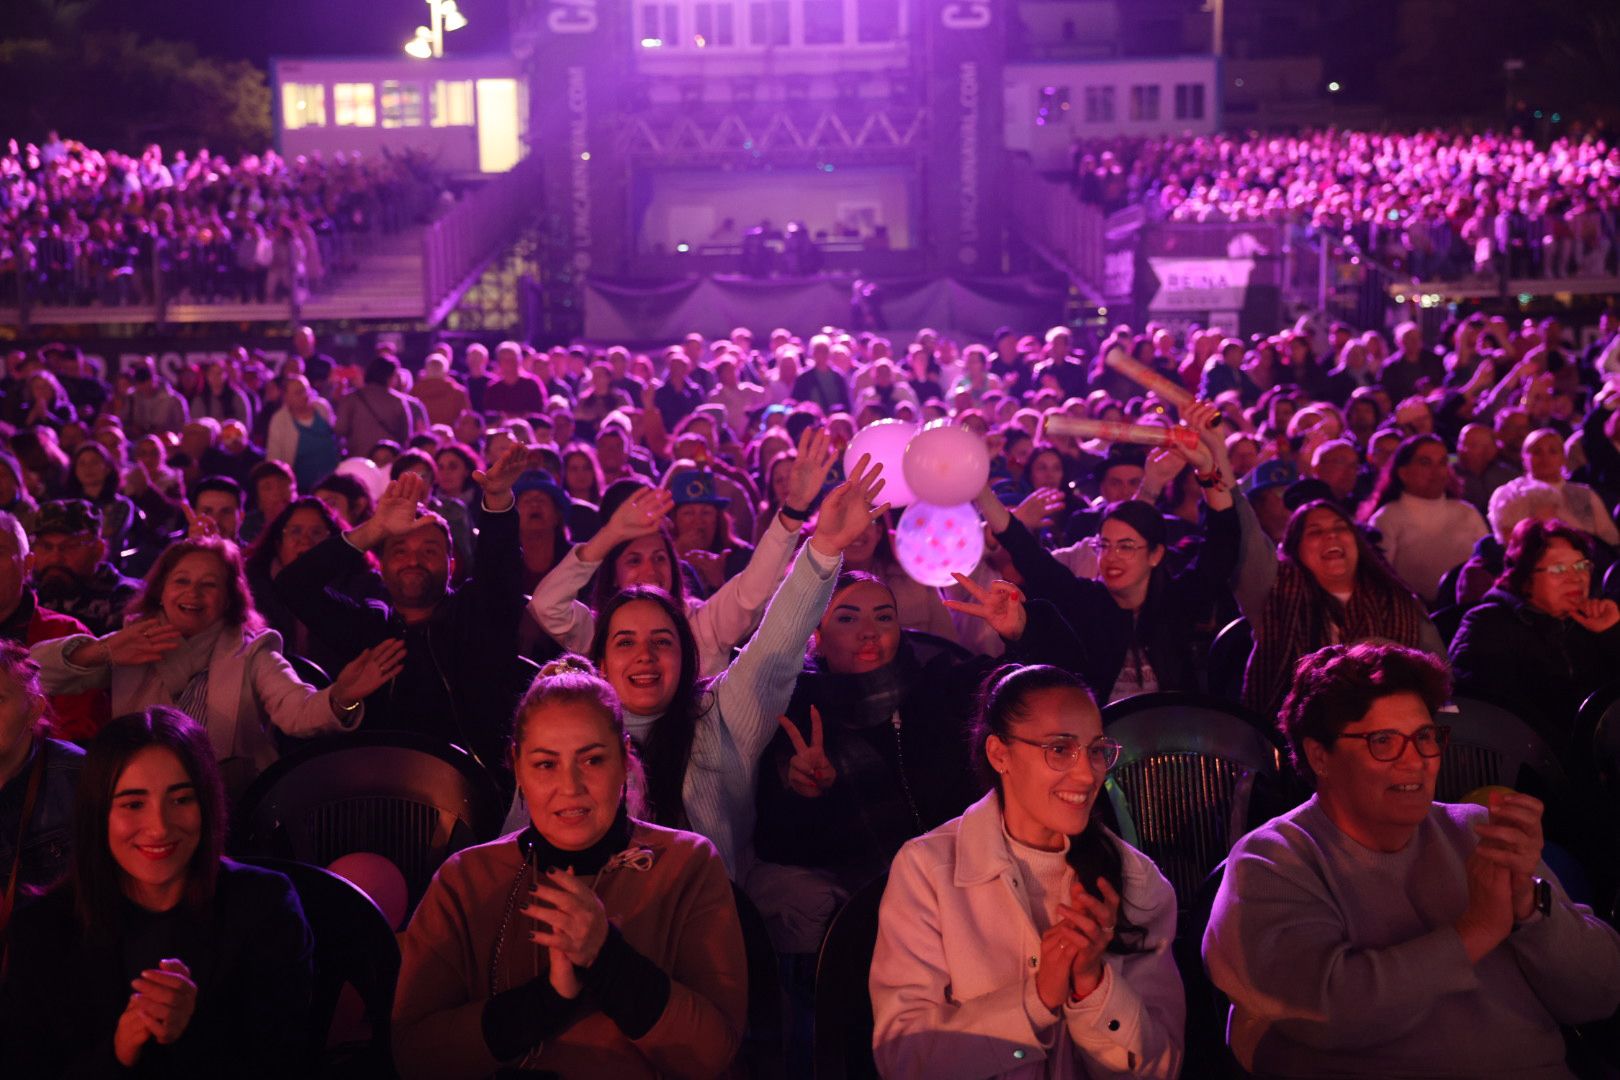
1061 754
1389 745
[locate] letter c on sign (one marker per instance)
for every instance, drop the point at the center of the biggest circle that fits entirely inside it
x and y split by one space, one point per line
965 15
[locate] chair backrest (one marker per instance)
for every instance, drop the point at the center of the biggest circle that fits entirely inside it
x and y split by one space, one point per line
1228 656
762 1050
1491 746
410 798
355 947
1184 788
1597 732
843 1036
309 671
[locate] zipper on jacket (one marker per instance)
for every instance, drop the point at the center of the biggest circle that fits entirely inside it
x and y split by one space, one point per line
905 785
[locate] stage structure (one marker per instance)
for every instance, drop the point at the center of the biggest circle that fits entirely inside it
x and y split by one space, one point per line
785 139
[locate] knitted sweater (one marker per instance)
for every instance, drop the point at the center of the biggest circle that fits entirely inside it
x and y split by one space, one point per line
1424 538
1343 962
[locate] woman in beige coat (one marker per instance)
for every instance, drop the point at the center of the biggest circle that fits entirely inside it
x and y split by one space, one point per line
1024 939
196 643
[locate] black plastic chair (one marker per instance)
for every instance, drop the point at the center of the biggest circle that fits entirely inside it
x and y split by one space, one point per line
1492 746
410 798
843 1036
1207 1054
762 1053
1185 787
308 670
355 947
1228 657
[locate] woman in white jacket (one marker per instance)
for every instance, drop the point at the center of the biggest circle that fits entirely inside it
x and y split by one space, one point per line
1024 939
303 433
633 549
196 643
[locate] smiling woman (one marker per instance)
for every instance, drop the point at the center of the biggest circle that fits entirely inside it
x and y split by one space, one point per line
588 942
164 947
1374 932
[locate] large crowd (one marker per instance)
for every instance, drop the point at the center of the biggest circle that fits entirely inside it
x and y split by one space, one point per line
652 602
80 226
1436 204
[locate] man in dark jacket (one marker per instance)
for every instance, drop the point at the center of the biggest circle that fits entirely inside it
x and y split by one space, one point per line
461 676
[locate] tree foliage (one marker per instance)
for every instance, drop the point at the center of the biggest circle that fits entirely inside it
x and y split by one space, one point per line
118 90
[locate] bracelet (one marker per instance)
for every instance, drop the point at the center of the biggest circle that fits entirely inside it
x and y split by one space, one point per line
795 515
1213 480
349 708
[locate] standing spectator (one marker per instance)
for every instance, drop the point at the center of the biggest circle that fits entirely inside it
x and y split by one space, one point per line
374 412
317 365
303 434
677 396
821 385
153 407
514 393
221 398
443 397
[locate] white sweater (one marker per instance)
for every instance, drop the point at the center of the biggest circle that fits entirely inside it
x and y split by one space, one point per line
1424 538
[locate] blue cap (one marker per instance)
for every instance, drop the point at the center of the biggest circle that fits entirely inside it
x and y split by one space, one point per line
695 486
1269 474
540 480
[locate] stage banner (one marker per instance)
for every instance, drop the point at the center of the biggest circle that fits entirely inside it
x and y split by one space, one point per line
578 55
963 187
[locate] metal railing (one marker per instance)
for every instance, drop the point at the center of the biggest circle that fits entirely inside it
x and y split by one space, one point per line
457 246
1058 226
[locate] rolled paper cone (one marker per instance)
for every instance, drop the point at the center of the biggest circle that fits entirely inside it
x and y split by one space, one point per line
1113 431
1146 377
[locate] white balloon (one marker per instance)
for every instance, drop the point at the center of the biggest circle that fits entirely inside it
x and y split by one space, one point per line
368 472
946 465
885 441
933 541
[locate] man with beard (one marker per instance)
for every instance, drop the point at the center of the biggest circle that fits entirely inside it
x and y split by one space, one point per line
461 676
71 571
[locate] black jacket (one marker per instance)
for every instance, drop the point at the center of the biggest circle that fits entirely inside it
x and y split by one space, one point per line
462 676
250 954
1534 665
1165 627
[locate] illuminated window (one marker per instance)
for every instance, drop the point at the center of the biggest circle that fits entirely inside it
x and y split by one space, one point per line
1099 104
714 24
453 103
878 21
500 125
1189 101
768 22
823 22
1144 103
302 105
401 104
355 104
1051 102
661 23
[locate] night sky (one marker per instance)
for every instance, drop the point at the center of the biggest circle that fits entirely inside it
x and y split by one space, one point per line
256 30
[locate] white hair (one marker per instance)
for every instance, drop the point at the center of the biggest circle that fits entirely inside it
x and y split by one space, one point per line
1520 498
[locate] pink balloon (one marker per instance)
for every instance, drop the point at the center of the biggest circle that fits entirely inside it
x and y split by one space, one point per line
885 441
946 465
379 879
932 541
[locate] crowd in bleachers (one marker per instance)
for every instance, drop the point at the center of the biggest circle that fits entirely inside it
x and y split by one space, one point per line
642 603
81 226
1436 204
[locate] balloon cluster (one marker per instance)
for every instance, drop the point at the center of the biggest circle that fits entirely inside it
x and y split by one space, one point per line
934 473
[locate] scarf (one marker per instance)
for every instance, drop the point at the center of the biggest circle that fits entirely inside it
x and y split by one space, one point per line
858 713
182 675
1300 617
586 861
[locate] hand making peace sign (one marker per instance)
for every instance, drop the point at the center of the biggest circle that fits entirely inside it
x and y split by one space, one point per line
810 772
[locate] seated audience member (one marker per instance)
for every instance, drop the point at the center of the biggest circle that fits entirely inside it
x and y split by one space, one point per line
95 479
219 498
1373 932
873 749
542 508
703 532
1425 532
37 775
271 486
1538 643
1324 584
457 680
632 548
157 957
589 943
454 511
1029 872
1544 460
348 497
71 573
23 619
234 455
1137 621
196 643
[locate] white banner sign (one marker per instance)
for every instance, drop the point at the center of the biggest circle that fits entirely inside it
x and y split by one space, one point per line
1200 284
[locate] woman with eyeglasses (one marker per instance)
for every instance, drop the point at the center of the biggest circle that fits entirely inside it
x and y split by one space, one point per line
1539 643
1373 932
1024 938
1138 621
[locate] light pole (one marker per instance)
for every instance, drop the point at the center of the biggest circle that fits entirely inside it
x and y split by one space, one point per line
443 17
